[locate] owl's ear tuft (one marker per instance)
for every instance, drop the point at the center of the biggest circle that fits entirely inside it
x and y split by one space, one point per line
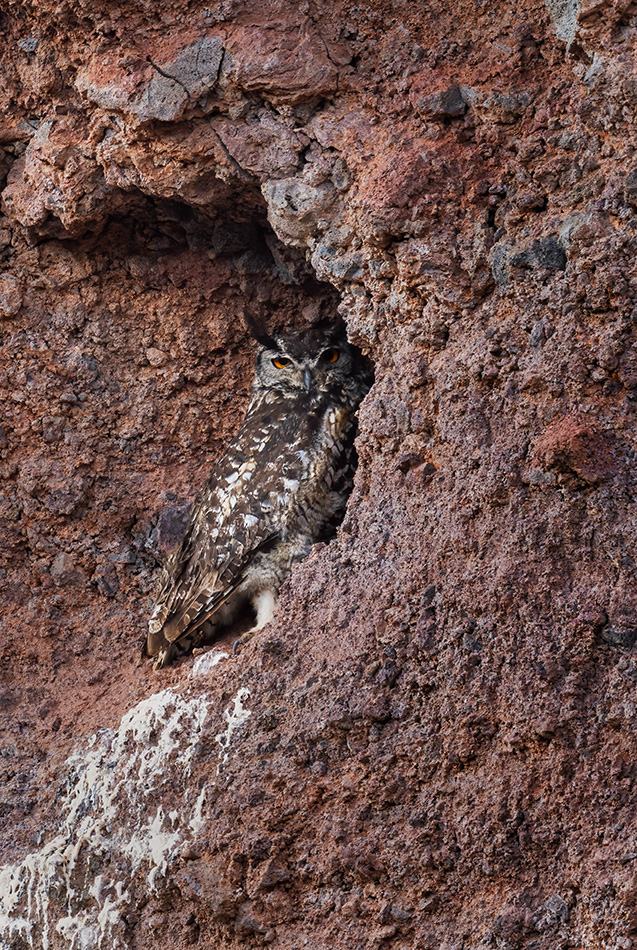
257 331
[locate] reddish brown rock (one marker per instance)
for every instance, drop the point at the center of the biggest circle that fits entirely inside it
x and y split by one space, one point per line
432 744
285 59
11 295
576 445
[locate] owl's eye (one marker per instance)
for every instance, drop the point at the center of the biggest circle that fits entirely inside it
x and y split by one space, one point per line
281 362
331 355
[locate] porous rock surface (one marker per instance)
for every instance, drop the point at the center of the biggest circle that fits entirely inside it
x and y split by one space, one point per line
432 746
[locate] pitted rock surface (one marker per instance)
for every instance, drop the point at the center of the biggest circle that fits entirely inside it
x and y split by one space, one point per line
431 746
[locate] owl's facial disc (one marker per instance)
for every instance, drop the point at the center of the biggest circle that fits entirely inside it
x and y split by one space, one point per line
296 363
295 372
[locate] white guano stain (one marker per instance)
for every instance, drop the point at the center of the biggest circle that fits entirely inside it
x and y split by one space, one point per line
197 820
77 931
110 815
236 715
204 663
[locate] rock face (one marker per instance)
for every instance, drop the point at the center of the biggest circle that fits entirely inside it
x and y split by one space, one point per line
432 744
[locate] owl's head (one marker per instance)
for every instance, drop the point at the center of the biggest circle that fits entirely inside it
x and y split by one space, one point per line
313 360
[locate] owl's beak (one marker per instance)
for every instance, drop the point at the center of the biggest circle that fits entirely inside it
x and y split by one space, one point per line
308 380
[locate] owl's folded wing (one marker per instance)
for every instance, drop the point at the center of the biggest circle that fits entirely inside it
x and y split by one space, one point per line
187 601
203 573
230 524
243 509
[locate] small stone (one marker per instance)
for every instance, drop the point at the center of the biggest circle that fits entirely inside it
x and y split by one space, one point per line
341 177
428 904
615 715
108 583
535 476
630 188
545 252
386 933
499 260
297 209
408 460
545 728
531 199
53 428
29 44
557 908
401 913
443 105
156 357
63 570
538 334
246 922
274 646
575 444
11 295
351 908
190 852
420 475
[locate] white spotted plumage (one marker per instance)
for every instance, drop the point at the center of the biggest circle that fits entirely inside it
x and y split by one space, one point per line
281 485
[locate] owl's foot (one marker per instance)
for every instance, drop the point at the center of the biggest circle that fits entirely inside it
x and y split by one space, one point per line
264 604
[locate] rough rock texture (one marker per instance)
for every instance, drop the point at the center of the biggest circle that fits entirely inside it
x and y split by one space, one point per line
433 744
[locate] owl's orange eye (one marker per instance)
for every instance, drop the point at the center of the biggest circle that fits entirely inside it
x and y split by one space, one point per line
331 355
281 362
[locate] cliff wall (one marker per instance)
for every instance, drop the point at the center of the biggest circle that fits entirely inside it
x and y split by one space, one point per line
433 744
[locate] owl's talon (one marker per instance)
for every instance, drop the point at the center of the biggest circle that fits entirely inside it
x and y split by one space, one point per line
243 639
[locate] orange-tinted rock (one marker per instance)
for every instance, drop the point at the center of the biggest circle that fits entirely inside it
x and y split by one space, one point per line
575 444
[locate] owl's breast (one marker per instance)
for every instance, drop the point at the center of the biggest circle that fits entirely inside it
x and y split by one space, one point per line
290 465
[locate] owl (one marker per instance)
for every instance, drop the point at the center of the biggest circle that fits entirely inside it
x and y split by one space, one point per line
281 485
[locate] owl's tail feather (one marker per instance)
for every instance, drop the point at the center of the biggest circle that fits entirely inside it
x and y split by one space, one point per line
169 636
166 644
163 653
162 639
